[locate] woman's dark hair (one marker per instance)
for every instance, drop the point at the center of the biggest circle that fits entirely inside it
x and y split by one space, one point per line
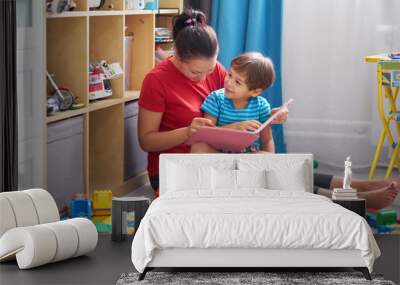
193 37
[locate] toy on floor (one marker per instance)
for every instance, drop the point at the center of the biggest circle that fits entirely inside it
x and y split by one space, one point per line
384 221
80 207
127 212
102 223
102 202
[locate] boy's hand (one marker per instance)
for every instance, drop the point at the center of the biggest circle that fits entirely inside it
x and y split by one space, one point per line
250 125
282 117
197 123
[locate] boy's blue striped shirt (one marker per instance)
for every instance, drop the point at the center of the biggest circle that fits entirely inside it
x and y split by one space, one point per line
222 108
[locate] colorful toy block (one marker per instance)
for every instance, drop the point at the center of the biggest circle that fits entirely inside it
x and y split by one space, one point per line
81 207
101 212
386 217
103 223
102 199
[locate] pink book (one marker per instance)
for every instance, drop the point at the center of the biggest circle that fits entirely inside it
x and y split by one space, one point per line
231 139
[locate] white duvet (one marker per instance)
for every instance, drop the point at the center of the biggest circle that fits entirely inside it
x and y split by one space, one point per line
252 218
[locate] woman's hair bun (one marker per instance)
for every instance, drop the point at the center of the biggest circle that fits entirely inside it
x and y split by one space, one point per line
193 37
189 17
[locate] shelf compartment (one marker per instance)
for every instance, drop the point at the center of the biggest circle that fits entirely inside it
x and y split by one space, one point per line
106 43
142 57
80 9
81 5
170 4
106 148
67 54
112 5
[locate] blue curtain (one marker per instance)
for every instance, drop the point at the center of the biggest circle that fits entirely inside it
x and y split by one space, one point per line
252 25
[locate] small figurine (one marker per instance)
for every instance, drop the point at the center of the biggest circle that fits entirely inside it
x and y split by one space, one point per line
347 174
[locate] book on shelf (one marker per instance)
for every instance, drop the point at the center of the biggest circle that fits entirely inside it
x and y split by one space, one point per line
231 139
163 40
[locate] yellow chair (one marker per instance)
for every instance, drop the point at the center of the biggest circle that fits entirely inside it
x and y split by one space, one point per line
388 76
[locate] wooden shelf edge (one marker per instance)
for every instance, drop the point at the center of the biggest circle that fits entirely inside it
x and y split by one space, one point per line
171 11
104 103
72 14
66 14
131 95
106 13
95 105
65 115
138 12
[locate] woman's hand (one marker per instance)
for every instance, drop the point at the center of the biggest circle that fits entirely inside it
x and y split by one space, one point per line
197 123
250 125
282 118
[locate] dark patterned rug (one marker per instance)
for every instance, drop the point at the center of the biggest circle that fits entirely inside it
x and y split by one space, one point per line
230 278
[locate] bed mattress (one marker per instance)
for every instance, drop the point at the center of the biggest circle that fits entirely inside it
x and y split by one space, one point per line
250 219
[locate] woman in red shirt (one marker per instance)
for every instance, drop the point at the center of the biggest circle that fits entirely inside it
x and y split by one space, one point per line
172 93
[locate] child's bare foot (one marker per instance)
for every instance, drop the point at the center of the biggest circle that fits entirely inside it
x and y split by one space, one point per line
381 198
373 185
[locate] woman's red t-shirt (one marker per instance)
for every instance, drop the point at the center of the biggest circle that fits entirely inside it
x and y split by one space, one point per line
165 89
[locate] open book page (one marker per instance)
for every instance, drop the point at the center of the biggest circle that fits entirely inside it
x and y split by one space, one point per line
274 116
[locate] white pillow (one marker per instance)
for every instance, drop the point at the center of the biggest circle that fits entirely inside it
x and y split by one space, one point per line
281 174
227 179
194 174
290 179
224 179
188 177
251 178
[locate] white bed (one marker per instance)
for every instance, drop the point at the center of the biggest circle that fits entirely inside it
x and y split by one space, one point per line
247 210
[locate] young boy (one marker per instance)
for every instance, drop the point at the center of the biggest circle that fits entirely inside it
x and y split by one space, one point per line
238 105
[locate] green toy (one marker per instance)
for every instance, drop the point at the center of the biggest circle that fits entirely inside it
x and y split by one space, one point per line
386 217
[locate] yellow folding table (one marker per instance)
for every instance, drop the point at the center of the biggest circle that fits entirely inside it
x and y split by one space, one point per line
388 77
